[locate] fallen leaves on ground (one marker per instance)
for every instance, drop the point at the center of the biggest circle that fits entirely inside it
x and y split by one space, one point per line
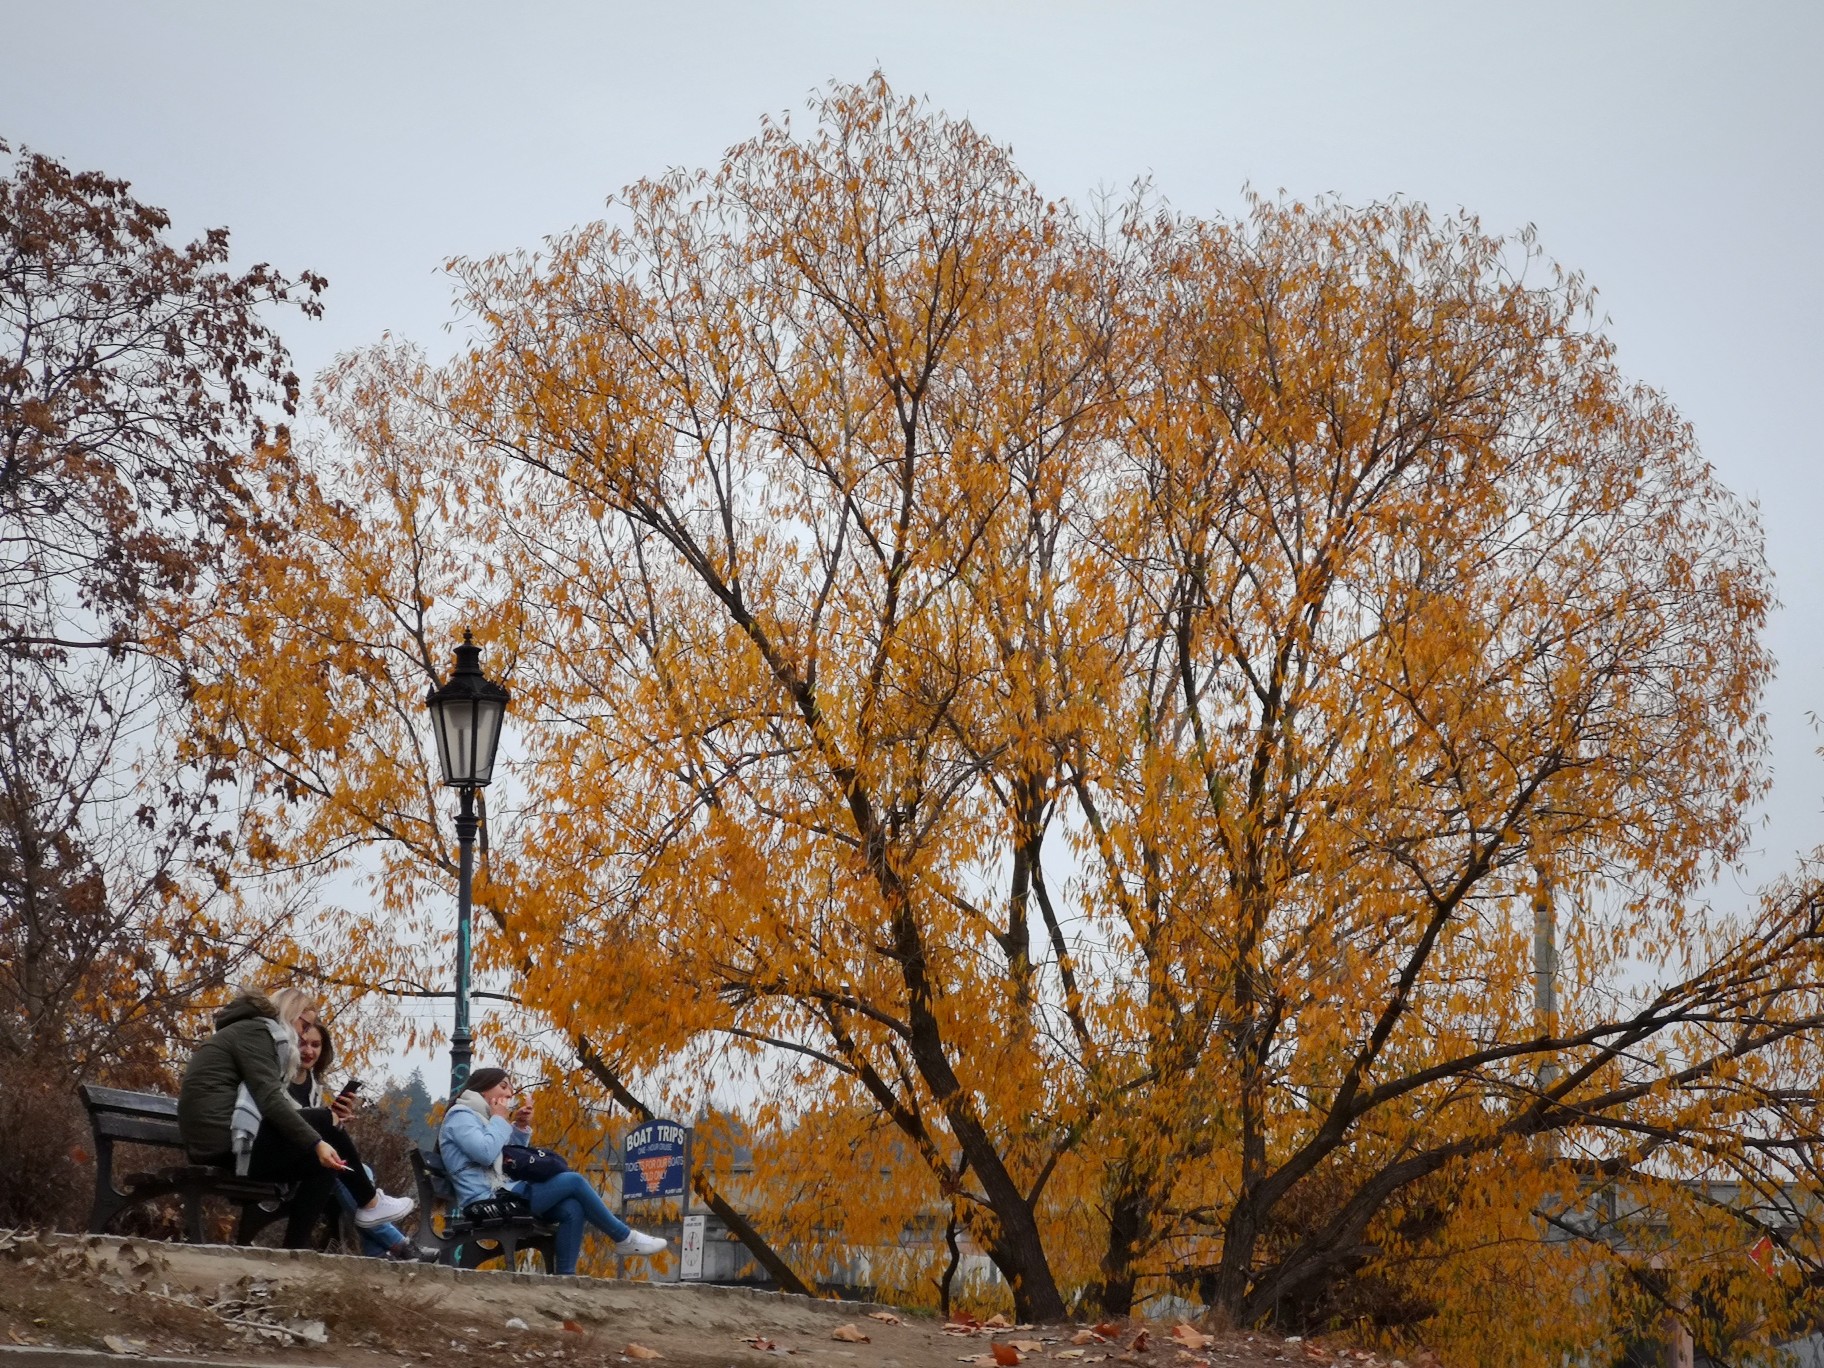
962 1323
262 1312
1190 1337
850 1333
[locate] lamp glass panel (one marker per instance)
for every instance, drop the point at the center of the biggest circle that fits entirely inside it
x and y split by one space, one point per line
444 758
456 728
486 737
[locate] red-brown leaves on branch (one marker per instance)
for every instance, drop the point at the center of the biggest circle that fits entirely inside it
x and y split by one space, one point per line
135 376
142 402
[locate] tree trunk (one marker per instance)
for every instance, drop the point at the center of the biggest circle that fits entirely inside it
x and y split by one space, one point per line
1016 1246
1228 1290
956 1257
1019 1253
1127 1228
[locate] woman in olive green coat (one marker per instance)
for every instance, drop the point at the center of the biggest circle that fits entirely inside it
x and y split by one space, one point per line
248 1061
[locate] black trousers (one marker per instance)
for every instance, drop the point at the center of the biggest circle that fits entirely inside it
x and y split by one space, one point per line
276 1158
323 1121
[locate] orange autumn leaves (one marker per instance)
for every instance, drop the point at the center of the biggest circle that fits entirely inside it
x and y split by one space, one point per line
1061 716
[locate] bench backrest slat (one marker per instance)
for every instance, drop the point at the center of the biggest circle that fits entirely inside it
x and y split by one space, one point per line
429 1170
143 1118
133 1103
142 1130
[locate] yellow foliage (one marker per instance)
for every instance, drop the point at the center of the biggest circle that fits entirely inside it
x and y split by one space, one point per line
1063 718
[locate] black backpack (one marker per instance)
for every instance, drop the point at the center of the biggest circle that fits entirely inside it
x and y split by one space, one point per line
529 1163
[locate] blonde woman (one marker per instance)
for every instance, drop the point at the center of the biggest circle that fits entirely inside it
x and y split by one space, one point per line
242 1069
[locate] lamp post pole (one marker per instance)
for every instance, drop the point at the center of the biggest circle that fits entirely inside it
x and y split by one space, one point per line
460 1039
466 714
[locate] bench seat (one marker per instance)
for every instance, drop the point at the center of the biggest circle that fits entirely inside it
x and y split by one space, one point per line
464 1243
117 1116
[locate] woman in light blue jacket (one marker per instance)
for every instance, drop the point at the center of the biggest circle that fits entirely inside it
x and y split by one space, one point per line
476 1128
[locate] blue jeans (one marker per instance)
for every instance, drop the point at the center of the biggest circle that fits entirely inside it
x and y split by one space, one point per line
377 1242
571 1203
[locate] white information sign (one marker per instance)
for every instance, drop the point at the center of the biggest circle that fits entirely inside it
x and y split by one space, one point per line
690 1255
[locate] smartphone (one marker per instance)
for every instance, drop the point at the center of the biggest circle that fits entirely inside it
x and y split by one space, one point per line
349 1089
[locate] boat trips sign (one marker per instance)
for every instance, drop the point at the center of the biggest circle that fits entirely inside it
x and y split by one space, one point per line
654 1155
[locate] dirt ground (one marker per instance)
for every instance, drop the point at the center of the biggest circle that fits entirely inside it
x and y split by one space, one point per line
138 1298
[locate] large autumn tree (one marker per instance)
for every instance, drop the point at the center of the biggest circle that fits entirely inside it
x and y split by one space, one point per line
1082 709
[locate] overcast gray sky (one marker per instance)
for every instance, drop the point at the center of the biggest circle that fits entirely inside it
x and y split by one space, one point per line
1674 153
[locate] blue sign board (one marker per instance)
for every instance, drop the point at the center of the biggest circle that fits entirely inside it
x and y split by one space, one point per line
653 1158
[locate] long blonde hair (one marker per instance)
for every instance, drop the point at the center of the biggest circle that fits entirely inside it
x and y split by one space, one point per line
291 1004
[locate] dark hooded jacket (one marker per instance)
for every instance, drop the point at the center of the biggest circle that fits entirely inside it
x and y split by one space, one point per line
241 1051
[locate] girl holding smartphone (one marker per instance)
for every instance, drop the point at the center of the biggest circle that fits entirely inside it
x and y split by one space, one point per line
316 1051
373 1208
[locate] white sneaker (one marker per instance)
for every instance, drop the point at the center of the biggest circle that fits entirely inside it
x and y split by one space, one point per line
638 1242
382 1210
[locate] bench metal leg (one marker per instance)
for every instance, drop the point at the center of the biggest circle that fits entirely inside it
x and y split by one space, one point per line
108 1205
108 1201
193 1215
473 1254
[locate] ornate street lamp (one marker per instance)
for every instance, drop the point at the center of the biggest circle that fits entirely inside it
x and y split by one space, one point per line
466 715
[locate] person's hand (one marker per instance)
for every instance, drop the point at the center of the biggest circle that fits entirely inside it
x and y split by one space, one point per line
327 1156
522 1119
500 1106
342 1106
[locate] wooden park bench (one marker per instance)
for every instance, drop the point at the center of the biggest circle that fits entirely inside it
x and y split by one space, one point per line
465 1243
150 1119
